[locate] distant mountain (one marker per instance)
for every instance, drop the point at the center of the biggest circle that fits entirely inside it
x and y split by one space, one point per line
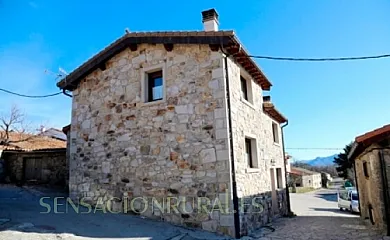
321 161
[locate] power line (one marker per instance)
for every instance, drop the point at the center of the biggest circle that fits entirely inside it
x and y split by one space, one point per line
321 59
29 96
315 148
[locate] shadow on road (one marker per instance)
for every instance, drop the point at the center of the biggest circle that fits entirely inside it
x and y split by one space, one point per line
328 196
23 212
334 210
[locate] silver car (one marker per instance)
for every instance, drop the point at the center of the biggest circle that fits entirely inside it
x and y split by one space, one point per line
348 199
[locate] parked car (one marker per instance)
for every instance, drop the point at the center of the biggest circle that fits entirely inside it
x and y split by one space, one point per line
348 199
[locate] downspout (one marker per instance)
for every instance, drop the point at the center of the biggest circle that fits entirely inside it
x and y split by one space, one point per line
285 175
234 183
385 190
65 93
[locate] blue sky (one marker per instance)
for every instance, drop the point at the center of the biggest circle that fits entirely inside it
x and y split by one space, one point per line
327 104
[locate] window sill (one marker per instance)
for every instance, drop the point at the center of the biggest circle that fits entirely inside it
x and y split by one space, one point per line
152 103
277 144
246 102
253 170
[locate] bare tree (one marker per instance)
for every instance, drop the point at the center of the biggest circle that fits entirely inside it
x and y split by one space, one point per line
13 123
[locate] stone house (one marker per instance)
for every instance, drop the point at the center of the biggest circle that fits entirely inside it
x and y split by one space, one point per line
371 156
34 159
178 115
305 178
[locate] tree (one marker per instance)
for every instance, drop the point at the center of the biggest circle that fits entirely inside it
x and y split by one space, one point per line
14 123
345 165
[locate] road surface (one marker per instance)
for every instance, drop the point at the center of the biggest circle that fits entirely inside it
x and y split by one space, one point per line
318 217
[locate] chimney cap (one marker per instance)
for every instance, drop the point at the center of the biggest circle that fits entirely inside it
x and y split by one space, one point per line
210 14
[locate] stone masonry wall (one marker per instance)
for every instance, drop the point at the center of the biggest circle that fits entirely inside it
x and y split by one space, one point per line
313 180
178 148
249 120
53 171
371 188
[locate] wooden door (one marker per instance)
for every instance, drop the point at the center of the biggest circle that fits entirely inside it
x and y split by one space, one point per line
33 169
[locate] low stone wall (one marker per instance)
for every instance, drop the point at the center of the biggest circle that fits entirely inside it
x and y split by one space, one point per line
256 211
53 166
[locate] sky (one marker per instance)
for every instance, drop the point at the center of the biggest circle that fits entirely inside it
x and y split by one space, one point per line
327 103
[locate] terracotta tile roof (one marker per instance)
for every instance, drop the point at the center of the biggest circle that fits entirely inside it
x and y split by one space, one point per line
375 134
364 141
20 141
302 171
226 39
270 109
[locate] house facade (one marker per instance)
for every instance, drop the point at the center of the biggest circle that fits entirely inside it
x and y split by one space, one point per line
371 156
174 126
305 178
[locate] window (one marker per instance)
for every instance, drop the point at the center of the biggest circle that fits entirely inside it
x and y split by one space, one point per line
355 197
248 152
279 178
154 86
365 169
275 132
251 152
244 89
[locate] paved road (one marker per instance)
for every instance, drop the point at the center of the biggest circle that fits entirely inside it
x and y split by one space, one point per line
20 218
319 218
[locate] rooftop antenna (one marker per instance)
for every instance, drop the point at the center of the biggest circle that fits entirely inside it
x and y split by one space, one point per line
47 71
62 71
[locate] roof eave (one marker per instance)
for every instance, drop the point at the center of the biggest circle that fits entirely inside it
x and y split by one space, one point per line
271 111
226 39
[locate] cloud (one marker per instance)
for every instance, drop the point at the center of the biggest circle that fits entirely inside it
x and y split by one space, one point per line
22 70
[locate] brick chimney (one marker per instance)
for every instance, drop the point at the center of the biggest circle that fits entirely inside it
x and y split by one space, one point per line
210 20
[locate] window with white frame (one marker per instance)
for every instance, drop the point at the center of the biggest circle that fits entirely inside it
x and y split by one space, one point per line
251 152
275 132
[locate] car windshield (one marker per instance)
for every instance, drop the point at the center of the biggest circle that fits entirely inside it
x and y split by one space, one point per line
355 197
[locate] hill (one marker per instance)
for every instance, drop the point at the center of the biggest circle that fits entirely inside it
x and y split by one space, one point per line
321 161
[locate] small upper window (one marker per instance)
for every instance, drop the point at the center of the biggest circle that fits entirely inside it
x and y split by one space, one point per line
251 153
248 152
244 89
365 169
154 86
275 132
279 178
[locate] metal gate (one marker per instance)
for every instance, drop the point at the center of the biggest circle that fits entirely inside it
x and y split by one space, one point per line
32 169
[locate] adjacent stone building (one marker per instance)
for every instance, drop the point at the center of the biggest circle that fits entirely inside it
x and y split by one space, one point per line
34 159
305 178
371 156
162 118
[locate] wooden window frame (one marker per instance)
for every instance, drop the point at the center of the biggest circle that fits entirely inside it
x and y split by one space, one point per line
151 77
